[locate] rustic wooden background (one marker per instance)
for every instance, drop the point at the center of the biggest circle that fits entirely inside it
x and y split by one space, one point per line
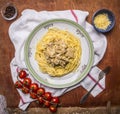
112 55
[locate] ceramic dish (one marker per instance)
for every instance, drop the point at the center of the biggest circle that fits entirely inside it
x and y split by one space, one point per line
71 78
9 11
110 17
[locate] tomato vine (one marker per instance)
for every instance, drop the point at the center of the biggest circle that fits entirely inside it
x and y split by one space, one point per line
25 84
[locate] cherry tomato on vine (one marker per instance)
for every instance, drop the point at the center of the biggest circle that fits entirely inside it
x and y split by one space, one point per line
25 90
27 82
34 87
46 103
55 100
22 74
47 96
52 108
33 95
40 99
40 91
18 84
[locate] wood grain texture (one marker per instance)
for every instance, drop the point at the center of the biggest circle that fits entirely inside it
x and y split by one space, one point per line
111 57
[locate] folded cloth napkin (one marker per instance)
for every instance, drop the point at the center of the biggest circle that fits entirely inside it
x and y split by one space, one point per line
3 105
21 28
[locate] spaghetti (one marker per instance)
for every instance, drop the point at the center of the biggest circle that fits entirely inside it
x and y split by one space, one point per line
58 52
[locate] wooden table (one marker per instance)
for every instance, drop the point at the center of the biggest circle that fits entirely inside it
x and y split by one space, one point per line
111 57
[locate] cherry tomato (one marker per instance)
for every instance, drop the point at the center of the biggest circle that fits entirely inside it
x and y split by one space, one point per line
52 108
22 74
55 100
46 103
40 91
19 84
33 95
34 87
47 96
40 99
25 90
27 82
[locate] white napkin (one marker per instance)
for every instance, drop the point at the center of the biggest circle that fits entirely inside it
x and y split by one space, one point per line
21 28
3 105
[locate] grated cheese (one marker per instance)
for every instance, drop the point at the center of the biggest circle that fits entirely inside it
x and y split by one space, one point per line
102 21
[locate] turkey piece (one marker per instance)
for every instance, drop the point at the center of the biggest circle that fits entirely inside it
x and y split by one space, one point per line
57 53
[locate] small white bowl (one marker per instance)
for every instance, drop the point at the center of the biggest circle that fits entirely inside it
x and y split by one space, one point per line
9 11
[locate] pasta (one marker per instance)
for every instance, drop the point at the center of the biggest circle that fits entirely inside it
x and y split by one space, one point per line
58 52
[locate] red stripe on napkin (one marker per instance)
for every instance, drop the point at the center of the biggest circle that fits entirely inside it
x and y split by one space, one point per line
95 81
75 16
17 69
22 100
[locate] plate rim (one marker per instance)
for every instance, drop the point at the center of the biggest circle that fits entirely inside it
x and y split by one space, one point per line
35 75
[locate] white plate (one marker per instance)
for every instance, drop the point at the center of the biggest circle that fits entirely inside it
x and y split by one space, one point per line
71 78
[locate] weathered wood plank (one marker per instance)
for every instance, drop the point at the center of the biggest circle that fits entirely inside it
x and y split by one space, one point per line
68 110
72 98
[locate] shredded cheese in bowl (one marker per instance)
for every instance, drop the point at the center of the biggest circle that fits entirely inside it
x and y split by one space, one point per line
102 21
